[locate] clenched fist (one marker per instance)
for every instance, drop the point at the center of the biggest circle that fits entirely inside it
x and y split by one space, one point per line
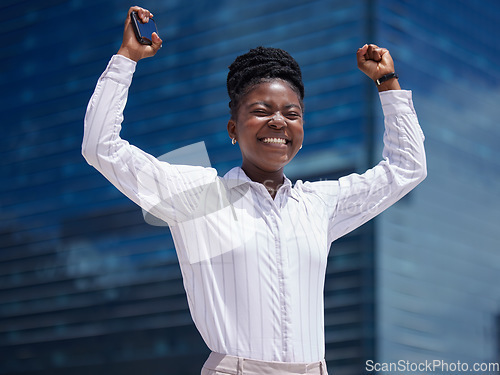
376 62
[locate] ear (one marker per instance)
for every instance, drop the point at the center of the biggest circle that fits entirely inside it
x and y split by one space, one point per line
231 129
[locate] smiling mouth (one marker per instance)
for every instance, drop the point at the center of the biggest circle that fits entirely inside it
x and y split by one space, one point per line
280 141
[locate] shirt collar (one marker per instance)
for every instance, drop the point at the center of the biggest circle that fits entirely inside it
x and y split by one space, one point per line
237 177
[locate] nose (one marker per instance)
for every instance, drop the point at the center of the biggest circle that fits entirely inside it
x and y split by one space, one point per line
277 121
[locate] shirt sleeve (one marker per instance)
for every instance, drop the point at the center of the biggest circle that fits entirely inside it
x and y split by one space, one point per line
354 199
169 192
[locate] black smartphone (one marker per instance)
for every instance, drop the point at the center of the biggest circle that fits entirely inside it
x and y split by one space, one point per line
143 31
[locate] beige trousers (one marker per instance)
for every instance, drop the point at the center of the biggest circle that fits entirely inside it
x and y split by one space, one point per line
221 364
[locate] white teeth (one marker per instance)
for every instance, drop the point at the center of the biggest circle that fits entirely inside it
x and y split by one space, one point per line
274 140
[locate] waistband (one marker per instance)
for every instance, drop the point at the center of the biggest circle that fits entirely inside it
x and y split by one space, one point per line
244 366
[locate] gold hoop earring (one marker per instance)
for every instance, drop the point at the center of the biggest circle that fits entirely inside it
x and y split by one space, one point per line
233 141
300 148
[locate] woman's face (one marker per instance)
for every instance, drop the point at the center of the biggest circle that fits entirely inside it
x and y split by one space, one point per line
268 126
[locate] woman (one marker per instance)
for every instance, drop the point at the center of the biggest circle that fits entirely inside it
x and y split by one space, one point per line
252 247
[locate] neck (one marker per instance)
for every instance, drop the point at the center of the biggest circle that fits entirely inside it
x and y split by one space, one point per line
272 181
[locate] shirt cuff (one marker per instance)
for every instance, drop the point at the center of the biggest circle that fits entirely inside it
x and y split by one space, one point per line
396 102
120 69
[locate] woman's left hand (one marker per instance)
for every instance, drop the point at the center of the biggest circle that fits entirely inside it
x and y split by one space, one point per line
376 62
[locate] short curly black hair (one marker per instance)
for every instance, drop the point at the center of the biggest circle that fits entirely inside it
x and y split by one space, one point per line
258 65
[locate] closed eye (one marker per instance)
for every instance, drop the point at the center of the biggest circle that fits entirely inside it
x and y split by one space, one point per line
260 112
293 116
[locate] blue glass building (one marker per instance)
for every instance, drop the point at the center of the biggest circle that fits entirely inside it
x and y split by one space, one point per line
86 286
438 252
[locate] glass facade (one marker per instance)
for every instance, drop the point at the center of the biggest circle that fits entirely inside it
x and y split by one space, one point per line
438 256
86 286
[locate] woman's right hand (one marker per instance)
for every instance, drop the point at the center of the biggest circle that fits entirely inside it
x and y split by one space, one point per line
130 47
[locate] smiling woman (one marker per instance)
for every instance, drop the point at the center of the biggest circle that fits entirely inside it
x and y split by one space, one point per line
253 248
269 129
267 105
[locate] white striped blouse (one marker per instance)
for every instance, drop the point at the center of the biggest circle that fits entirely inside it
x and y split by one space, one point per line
253 267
